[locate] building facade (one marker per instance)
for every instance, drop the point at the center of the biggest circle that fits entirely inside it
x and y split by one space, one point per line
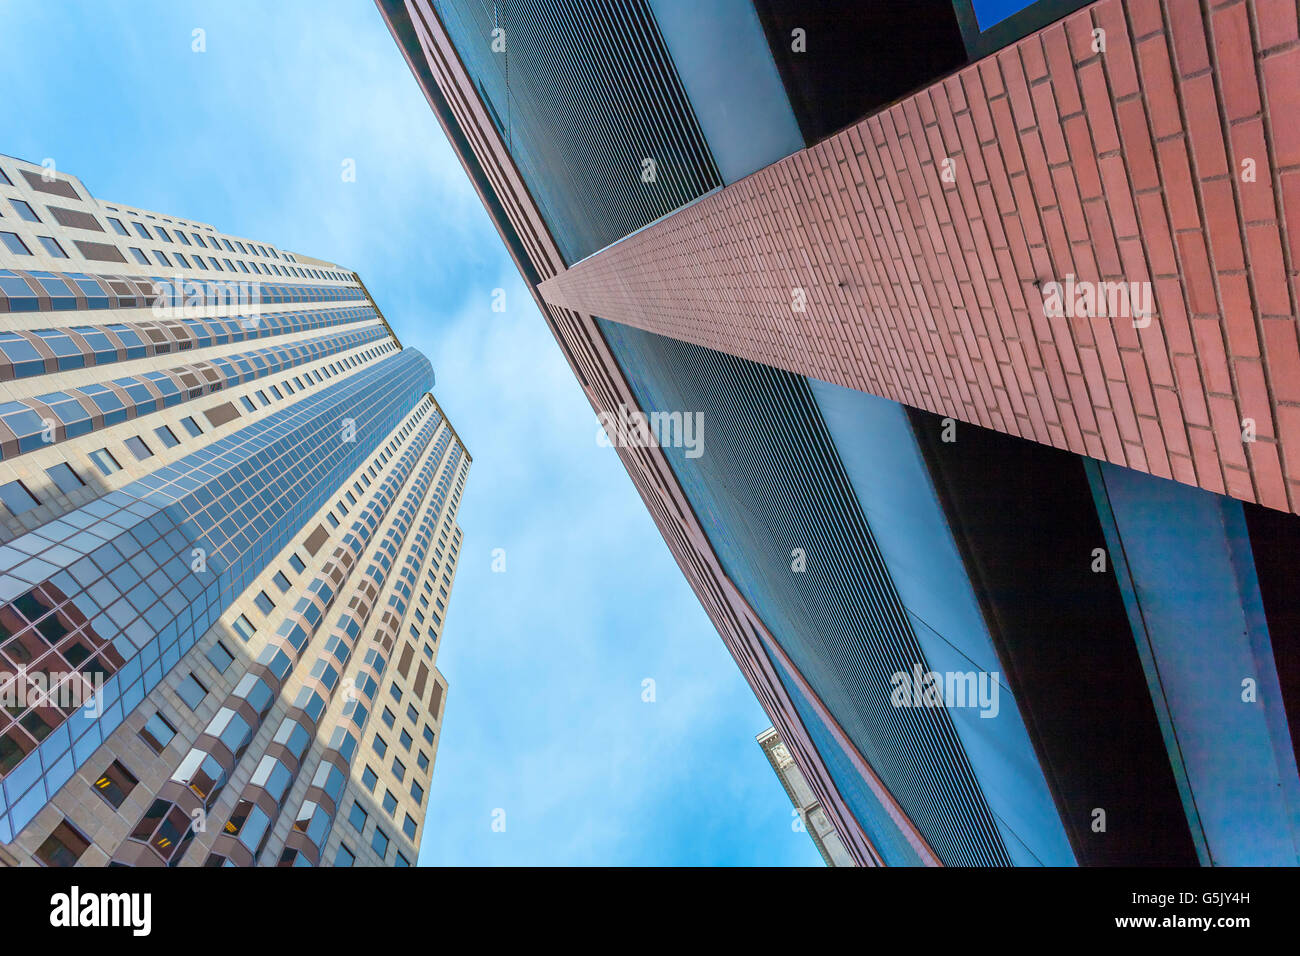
227 544
995 345
812 818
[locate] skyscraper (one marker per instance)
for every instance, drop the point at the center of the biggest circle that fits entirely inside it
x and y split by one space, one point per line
988 312
229 540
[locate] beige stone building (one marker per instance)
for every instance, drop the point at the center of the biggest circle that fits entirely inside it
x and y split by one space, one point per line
228 540
811 815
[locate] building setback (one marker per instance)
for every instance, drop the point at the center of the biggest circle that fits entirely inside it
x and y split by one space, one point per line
994 345
229 513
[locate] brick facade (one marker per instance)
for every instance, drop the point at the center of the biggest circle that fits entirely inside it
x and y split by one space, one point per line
1171 157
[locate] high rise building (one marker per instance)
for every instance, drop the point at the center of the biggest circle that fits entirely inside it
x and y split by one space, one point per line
988 311
227 544
812 818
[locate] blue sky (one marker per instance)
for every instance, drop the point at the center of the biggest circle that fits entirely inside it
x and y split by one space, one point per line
545 661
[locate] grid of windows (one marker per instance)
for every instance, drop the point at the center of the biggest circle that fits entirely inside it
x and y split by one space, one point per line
241 498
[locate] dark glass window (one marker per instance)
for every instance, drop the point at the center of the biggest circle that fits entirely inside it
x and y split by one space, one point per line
63 847
115 784
157 732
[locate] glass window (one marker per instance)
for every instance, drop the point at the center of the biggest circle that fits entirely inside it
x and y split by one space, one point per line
422 760
64 846
104 459
379 842
140 257
379 745
161 258
409 826
417 792
17 498
264 603
115 784
244 628
389 717
399 769
138 448
190 424
296 563
52 247
401 861
64 478
166 436
192 691
14 244
369 778
357 817
24 211
281 581
248 405
157 732
406 740
428 733
390 803
117 226
220 657
345 856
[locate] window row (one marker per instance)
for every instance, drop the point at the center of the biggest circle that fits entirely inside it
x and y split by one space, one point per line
37 291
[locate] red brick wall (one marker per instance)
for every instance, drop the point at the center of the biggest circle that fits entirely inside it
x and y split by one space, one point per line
1123 165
